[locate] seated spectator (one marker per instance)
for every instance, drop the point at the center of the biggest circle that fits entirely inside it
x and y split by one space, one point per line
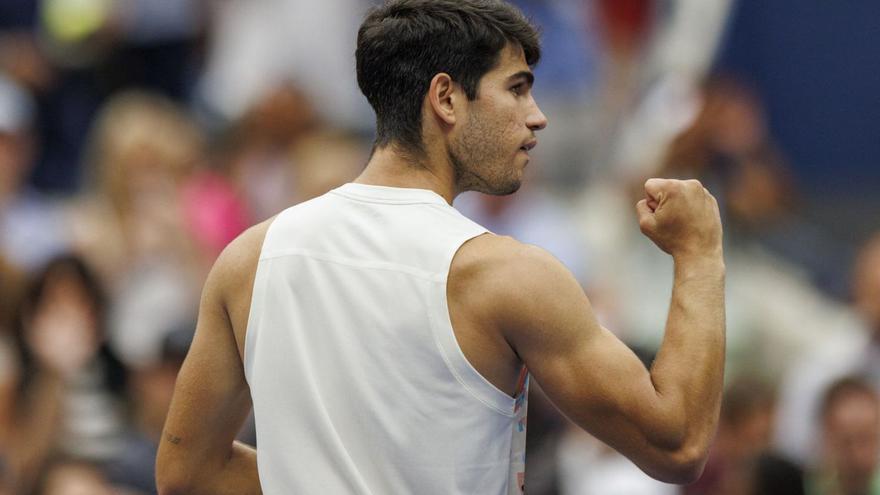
837 355
744 433
71 394
142 149
131 225
730 149
255 153
850 430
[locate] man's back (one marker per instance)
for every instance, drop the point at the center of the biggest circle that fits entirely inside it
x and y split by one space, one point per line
357 380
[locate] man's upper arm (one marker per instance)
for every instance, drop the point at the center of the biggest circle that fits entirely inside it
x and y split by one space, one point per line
585 370
211 397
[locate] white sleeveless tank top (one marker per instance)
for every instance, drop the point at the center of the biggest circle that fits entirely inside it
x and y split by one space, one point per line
358 384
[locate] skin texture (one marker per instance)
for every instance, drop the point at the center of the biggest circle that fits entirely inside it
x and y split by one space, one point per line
511 305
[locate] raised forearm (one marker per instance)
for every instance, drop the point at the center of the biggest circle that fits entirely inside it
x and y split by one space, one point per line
688 372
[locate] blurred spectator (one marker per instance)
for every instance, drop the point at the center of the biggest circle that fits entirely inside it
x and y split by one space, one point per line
132 225
837 355
72 387
730 149
256 153
142 149
744 435
850 425
72 477
73 55
663 82
31 226
774 313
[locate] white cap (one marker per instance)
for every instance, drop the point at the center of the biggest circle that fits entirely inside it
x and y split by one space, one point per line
16 107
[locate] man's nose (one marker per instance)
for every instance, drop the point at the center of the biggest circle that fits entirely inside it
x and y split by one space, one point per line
536 119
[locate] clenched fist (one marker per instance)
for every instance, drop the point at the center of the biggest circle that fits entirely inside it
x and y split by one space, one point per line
681 217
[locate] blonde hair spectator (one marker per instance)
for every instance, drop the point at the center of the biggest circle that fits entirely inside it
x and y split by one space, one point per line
141 140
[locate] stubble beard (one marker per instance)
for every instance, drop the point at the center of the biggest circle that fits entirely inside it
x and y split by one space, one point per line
478 164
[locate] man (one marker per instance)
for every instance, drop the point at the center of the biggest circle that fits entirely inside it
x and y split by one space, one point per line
383 338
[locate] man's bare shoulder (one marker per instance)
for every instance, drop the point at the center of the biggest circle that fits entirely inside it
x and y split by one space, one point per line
505 274
230 284
238 261
502 257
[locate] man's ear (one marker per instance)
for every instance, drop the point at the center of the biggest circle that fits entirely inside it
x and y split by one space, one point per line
443 95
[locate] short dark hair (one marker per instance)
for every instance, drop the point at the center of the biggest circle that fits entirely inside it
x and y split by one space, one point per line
403 44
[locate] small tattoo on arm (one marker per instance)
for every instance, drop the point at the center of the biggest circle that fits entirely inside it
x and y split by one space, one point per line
173 439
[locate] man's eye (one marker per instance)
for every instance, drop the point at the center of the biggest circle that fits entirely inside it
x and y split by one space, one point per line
518 89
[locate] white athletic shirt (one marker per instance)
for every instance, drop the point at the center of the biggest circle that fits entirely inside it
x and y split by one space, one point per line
358 384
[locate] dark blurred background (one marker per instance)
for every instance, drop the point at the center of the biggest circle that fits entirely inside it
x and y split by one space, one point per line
138 137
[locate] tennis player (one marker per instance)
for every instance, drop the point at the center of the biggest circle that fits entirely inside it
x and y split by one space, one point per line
385 341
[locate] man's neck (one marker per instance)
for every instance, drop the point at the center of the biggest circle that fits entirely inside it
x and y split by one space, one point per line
390 167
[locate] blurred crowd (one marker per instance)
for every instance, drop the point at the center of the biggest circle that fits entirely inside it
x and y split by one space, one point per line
138 137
